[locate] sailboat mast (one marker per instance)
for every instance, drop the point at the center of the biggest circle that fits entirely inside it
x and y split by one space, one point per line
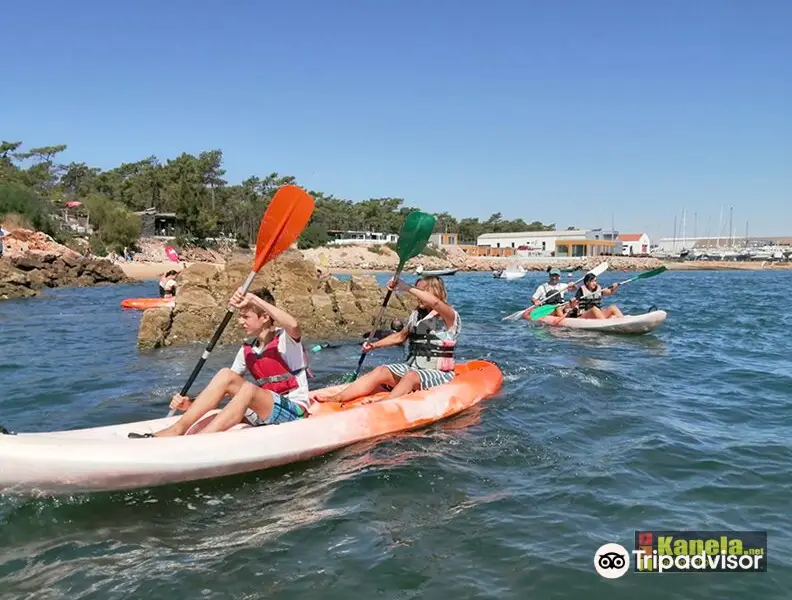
684 237
720 227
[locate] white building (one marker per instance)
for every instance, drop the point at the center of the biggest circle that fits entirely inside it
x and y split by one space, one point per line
542 243
442 240
634 243
361 237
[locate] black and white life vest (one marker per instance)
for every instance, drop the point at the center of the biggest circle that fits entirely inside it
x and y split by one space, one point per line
428 348
589 299
552 295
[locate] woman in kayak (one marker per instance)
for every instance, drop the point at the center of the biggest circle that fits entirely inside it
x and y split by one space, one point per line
273 356
431 332
589 300
552 292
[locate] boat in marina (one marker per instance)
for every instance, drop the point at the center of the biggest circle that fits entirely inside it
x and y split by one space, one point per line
511 272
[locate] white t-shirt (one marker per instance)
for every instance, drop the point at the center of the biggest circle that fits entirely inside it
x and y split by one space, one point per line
546 289
293 355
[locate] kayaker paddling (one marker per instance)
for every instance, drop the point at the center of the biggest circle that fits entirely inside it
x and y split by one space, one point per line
431 332
273 356
588 301
552 292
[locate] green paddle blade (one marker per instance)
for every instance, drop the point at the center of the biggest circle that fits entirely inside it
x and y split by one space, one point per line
652 273
542 311
414 235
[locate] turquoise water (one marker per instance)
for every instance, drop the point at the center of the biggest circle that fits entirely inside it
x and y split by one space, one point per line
592 437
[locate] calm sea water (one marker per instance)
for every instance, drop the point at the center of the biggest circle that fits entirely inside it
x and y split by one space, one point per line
592 437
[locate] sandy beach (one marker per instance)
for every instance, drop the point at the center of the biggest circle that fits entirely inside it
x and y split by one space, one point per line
152 270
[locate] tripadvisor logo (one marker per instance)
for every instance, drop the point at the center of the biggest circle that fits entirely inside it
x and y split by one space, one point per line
703 551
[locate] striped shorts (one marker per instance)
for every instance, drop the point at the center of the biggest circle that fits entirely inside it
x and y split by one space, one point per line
283 411
429 377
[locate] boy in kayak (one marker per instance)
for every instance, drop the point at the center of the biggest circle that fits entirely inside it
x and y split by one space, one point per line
552 292
273 355
588 300
431 332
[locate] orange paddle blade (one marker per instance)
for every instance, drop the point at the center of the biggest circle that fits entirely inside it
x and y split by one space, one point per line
283 222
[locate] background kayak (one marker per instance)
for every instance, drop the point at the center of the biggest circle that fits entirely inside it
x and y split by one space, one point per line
144 303
437 272
105 459
628 324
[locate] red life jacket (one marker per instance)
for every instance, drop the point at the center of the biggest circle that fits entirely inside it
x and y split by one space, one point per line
269 368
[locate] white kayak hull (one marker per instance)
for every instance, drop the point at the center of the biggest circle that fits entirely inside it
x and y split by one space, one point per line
507 275
105 459
630 324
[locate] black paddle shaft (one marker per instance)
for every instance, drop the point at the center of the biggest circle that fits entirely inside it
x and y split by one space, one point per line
207 351
377 323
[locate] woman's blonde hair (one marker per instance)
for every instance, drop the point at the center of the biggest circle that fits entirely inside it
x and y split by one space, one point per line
435 286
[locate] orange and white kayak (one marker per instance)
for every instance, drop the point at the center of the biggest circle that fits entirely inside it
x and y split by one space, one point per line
144 303
105 459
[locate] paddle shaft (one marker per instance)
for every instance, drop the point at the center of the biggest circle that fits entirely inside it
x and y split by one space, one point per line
644 275
378 320
210 346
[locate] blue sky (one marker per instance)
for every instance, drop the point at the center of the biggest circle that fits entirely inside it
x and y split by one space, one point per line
562 112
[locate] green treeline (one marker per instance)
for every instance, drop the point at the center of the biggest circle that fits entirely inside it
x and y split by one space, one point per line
34 185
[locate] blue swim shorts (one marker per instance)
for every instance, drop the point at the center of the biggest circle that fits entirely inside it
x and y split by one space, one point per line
283 411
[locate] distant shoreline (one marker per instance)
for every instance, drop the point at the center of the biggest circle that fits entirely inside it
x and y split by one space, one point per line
152 271
711 265
671 266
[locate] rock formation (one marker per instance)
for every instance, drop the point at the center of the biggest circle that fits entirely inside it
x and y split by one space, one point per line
33 261
327 309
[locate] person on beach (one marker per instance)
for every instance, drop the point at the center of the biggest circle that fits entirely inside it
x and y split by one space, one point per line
273 356
588 301
431 331
167 284
3 232
552 292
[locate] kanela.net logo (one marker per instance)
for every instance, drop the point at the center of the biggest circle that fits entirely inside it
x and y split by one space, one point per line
686 552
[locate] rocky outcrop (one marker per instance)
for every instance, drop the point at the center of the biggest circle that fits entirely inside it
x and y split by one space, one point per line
373 257
327 309
33 261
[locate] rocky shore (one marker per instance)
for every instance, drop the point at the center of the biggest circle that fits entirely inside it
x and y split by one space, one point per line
327 308
33 261
362 258
382 258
